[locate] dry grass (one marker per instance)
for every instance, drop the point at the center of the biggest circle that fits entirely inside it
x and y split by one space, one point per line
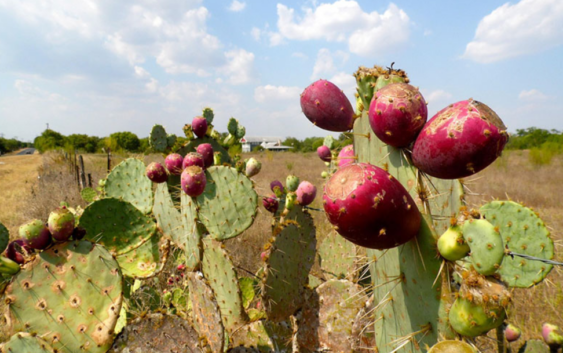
26 196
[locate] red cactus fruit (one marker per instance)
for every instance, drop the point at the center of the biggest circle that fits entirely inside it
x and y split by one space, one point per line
193 181
270 203
397 113
206 151
552 335
512 333
277 187
199 126
35 234
459 141
306 193
326 106
17 250
324 153
193 158
61 224
174 163
156 173
370 208
346 156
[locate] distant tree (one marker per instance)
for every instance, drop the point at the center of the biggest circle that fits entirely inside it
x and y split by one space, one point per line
143 144
293 142
82 142
126 140
48 140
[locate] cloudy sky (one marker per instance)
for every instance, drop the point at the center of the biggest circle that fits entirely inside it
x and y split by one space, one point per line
98 67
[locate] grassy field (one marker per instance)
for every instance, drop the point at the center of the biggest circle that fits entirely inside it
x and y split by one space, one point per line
34 185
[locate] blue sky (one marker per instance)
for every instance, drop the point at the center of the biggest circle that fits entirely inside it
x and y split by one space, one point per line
99 67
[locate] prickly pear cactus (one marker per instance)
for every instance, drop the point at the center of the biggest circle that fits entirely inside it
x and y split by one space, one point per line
158 139
4 238
337 257
128 182
525 233
265 336
26 343
70 295
409 288
192 145
146 260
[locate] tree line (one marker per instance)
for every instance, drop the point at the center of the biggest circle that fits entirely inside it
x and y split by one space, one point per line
310 144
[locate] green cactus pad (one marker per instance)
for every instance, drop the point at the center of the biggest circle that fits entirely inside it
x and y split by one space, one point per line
88 194
70 295
146 260
327 317
485 242
409 274
228 205
4 238
329 142
192 145
158 333
337 257
220 273
208 115
266 336
534 346
452 347
523 232
171 140
193 232
158 139
23 342
247 286
206 312
168 217
314 281
128 182
289 260
116 224
471 320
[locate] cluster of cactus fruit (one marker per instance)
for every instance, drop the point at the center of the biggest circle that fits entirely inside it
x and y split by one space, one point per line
374 283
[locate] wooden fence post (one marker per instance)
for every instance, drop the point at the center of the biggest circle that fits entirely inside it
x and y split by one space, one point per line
82 173
109 160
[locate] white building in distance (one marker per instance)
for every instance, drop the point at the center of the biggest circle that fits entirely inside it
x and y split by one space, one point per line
267 142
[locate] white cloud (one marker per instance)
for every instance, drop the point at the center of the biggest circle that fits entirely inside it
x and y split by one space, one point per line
141 73
270 93
256 33
299 55
367 34
240 66
436 96
237 6
347 83
511 30
532 95
325 65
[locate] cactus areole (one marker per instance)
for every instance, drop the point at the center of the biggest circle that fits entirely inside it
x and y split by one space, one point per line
326 106
370 208
459 141
397 113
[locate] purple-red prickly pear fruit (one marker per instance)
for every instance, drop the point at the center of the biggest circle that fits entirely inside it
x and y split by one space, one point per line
36 234
346 156
277 187
174 162
270 203
306 193
326 106
193 181
459 141
512 333
156 173
397 113
370 208
253 167
17 250
206 151
264 256
552 335
78 233
199 126
324 153
193 158
61 224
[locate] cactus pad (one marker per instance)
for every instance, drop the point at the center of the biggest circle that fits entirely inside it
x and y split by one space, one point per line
146 260
266 336
229 203
158 140
193 232
337 256
206 312
534 346
192 145
128 182
158 333
70 295
4 238
116 224
289 259
525 233
88 194
25 343
326 319
220 273
485 242
168 217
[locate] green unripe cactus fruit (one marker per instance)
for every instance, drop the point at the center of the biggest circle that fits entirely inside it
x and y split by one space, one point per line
8 267
472 320
292 183
452 347
451 244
